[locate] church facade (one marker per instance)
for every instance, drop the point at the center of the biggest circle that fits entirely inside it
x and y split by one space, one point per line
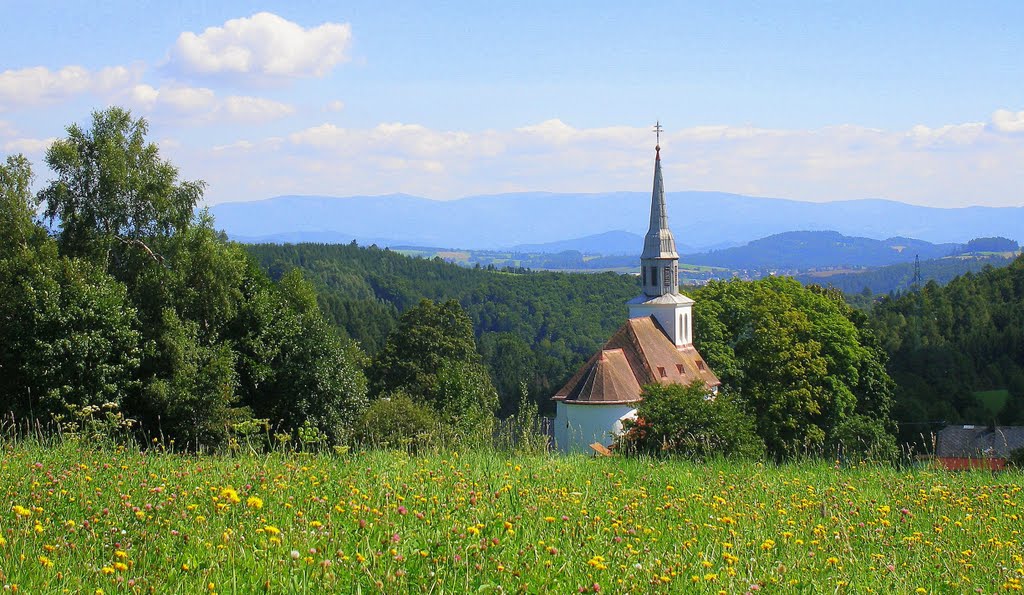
654 346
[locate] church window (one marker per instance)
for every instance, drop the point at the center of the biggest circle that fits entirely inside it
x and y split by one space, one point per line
643 275
681 369
654 276
668 276
661 371
700 364
686 327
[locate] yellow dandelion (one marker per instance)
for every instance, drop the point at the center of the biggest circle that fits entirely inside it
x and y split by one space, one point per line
254 502
230 495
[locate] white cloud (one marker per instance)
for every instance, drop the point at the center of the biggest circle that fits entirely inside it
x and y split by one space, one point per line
335 106
29 146
201 105
254 109
1007 121
40 85
263 45
954 165
6 128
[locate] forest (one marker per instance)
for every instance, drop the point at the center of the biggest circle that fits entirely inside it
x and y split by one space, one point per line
122 306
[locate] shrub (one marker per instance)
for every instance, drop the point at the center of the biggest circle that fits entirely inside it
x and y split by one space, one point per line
398 421
682 420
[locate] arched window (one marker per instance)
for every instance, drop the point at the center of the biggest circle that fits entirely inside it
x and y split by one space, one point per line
686 327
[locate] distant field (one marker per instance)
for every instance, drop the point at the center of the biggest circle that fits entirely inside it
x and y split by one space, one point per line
80 520
824 274
994 400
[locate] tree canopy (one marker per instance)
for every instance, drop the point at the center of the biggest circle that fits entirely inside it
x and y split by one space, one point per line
139 304
683 420
802 361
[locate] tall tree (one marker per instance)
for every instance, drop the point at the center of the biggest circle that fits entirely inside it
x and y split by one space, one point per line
113 190
17 205
68 335
797 358
219 339
432 358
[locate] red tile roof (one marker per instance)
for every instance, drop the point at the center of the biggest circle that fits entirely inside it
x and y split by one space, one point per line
638 353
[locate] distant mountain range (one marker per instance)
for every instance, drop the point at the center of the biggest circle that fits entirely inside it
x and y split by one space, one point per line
819 249
609 243
700 220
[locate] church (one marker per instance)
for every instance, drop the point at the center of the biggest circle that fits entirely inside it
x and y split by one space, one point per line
655 345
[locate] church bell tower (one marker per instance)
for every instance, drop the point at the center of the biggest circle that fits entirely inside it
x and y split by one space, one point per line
659 269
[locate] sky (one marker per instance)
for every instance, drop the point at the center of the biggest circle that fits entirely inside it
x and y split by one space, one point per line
920 102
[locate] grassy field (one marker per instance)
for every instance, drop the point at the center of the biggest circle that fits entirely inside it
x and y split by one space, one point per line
85 520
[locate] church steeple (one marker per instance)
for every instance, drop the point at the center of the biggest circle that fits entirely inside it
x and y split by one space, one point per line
659 262
659 242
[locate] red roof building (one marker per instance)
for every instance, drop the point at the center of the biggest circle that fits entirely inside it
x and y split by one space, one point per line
654 346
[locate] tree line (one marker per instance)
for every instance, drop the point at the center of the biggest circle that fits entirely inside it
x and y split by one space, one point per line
135 309
949 343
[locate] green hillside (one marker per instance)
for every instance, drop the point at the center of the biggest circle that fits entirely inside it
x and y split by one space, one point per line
532 327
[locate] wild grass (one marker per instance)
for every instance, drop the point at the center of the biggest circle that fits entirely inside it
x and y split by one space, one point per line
81 518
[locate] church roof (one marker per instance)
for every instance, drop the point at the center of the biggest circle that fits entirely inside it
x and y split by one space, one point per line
607 378
638 353
978 441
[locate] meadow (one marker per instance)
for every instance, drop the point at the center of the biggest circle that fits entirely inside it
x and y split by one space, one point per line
79 518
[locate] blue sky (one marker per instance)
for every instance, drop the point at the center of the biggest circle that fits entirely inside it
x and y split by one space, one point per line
914 101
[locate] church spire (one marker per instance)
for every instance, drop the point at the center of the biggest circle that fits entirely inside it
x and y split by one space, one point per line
659 270
659 262
659 242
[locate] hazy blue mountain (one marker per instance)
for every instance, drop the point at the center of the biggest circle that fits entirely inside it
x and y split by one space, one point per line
315 237
900 277
609 243
698 219
818 249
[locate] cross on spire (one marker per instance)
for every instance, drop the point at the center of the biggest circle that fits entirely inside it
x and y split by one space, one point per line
657 131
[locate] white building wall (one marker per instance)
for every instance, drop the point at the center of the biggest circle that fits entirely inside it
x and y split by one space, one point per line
676 319
577 426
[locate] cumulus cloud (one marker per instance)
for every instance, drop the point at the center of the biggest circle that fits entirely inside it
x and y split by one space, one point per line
263 45
1007 121
200 104
38 84
954 165
412 140
29 146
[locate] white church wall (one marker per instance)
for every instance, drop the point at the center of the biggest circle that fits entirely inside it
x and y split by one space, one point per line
676 319
579 426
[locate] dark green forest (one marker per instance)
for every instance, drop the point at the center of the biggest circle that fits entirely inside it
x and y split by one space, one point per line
531 327
957 351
